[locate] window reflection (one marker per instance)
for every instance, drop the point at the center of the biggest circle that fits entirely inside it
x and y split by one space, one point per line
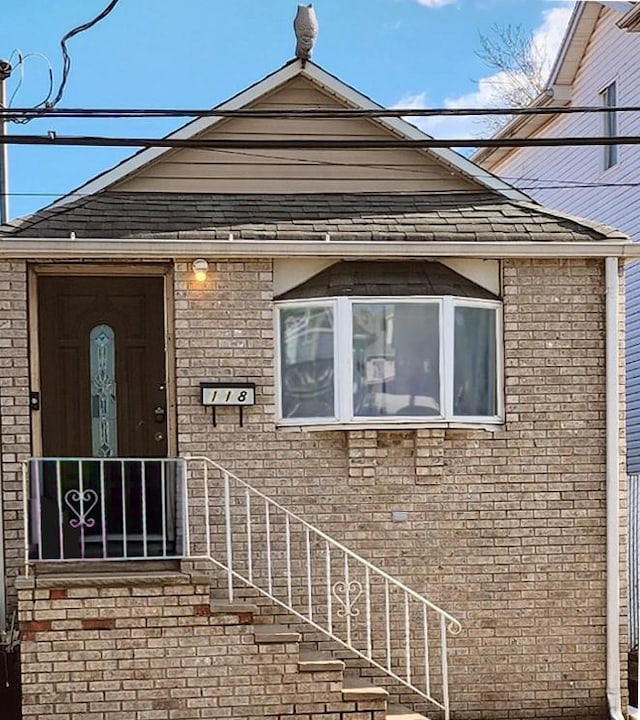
396 354
306 337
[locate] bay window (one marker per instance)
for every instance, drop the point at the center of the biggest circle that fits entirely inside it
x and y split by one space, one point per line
385 360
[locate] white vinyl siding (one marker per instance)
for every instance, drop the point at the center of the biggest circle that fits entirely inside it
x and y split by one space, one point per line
573 180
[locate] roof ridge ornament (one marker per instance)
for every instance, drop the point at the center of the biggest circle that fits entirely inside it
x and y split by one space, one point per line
305 26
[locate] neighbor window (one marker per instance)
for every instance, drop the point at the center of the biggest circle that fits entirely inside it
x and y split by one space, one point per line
609 100
372 360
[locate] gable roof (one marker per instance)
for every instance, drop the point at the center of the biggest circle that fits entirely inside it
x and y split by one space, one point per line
556 93
336 87
370 217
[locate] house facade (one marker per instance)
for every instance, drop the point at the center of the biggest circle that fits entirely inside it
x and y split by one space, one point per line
595 67
279 423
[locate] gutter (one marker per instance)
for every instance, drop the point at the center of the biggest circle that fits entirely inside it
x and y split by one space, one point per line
613 489
617 246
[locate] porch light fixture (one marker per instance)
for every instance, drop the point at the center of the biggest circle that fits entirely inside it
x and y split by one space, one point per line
200 269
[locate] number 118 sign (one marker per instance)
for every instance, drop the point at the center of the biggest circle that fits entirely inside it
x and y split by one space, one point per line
240 394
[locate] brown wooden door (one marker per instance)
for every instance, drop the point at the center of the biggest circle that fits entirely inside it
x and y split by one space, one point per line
94 331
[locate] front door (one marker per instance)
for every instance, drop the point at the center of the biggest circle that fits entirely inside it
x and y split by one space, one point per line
102 366
103 395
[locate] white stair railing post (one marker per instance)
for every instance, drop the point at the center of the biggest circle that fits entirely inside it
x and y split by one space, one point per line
227 518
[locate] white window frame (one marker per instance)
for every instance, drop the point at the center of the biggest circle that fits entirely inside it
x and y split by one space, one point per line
343 363
611 153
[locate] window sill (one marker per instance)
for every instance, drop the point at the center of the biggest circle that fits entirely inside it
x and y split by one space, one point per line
489 426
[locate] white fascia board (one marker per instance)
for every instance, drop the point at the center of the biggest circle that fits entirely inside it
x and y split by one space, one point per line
153 249
406 130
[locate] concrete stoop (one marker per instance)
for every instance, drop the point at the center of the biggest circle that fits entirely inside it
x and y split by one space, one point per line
154 646
329 693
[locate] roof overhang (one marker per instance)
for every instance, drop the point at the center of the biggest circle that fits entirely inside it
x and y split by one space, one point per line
153 249
631 21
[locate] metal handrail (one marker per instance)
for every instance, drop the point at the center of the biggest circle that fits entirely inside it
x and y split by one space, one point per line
326 597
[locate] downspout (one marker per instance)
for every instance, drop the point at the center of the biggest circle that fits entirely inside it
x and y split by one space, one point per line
613 489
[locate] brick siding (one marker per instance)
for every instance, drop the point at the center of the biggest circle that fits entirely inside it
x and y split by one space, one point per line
505 529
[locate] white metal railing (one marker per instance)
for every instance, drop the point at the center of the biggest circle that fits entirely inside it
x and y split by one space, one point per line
104 509
83 509
254 539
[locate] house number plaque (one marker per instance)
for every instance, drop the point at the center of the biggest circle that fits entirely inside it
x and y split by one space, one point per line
239 394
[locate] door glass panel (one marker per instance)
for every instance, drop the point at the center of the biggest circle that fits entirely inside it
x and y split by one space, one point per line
104 430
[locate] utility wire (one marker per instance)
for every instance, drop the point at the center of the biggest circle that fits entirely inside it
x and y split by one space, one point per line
321 114
577 185
66 58
53 140
25 117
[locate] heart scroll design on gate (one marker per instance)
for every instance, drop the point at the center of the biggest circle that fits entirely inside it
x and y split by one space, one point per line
81 504
347 596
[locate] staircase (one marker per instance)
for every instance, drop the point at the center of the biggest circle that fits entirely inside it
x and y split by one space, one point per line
209 518
328 688
256 542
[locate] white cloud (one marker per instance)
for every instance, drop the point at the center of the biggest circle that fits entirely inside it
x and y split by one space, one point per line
546 41
436 3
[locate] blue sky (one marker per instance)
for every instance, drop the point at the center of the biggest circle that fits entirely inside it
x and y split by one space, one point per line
197 53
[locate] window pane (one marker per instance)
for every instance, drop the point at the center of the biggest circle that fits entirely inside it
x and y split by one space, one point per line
306 362
396 366
609 99
475 376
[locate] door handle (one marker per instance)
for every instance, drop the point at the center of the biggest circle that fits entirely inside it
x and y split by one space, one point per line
159 413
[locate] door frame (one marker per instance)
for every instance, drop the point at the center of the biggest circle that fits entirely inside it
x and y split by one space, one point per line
165 271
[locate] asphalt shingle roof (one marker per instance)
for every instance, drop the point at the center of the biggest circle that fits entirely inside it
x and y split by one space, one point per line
347 216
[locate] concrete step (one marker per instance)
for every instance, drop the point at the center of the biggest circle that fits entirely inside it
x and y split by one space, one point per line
225 608
275 634
397 712
319 662
355 689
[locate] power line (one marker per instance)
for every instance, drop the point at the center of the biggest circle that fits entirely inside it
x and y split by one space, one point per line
282 113
66 58
53 140
576 185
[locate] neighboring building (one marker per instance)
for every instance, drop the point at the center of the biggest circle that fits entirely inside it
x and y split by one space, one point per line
597 65
393 344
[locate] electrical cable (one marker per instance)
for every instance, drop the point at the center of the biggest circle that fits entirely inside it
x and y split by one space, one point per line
577 185
22 57
319 114
66 58
52 140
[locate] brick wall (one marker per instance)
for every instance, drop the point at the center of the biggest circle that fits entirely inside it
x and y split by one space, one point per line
148 647
15 431
504 529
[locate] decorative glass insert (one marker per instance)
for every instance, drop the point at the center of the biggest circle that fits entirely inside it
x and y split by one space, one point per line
104 430
306 362
475 364
396 359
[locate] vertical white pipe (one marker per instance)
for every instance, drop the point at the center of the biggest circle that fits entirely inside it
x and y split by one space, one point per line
613 488
5 72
